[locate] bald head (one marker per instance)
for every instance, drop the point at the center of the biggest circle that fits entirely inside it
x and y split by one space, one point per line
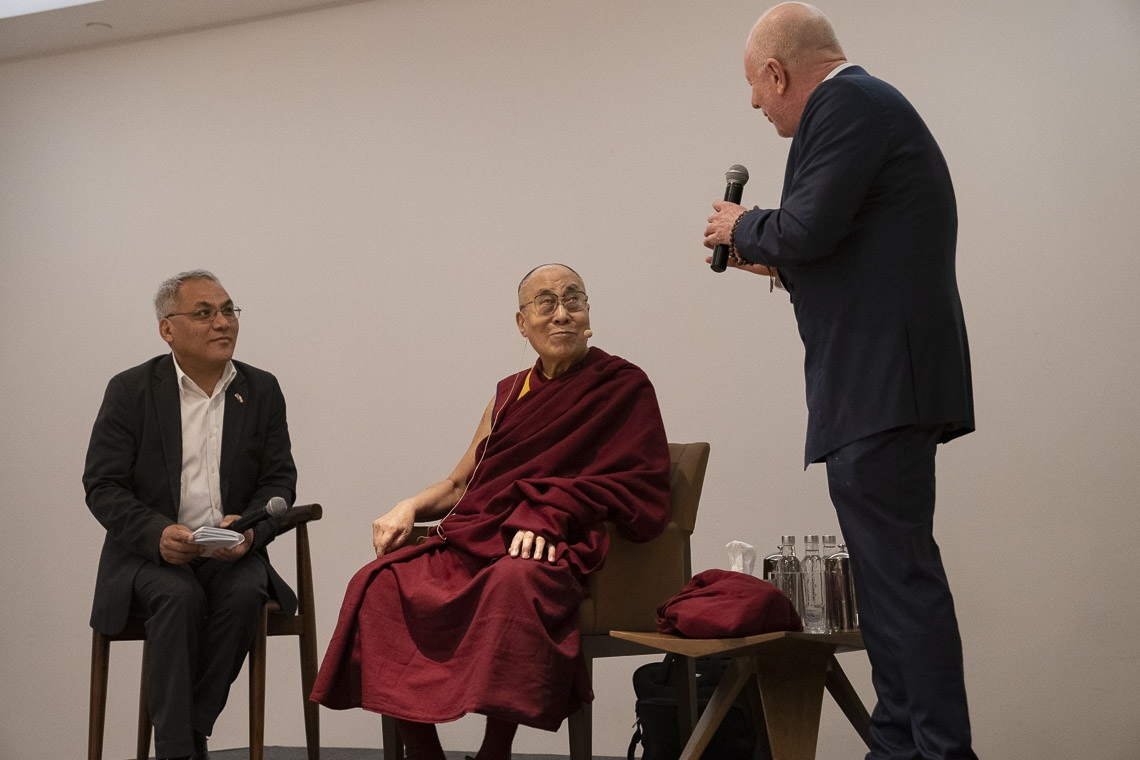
544 267
798 35
791 49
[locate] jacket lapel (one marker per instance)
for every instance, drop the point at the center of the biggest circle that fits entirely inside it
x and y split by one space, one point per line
237 399
168 408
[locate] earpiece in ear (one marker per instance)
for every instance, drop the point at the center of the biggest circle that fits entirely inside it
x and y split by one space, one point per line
588 333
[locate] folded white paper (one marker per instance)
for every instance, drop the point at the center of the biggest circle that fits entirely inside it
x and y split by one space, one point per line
217 538
741 557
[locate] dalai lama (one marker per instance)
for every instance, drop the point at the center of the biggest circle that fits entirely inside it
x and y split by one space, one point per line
482 617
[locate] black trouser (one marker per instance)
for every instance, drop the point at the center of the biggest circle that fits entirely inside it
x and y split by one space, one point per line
201 619
882 487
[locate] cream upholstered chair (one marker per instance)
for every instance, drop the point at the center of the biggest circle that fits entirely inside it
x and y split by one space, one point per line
272 623
626 592
636 580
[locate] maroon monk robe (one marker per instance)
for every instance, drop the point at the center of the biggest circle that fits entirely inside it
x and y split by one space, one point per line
452 626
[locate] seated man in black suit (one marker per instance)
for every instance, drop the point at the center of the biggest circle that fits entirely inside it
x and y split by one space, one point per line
184 440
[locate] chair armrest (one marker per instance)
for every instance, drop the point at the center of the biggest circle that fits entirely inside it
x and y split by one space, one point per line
298 515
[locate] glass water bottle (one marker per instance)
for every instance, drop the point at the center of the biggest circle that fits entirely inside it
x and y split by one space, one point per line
787 574
843 615
814 588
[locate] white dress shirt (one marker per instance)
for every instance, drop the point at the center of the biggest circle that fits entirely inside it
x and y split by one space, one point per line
202 417
838 69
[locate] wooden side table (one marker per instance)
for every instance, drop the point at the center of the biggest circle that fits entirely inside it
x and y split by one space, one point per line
785 674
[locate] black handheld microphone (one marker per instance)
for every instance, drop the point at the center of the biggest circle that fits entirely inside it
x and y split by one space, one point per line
736 176
275 507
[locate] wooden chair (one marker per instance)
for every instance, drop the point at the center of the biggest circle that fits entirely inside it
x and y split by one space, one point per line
272 623
636 580
625 595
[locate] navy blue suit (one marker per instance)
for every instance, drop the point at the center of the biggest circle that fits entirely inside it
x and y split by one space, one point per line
200 615
864 240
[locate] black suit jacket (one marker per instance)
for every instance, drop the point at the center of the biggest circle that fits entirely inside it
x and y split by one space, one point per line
134 467
865 241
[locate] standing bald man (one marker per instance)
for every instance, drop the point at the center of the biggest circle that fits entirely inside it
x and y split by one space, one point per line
864 243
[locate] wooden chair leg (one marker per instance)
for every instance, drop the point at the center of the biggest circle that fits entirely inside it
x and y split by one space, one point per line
257 689
684 674
763 747
97 712
580 728
393 744
307 642
142 744
580 725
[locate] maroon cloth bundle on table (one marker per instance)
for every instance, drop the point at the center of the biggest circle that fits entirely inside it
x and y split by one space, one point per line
725 603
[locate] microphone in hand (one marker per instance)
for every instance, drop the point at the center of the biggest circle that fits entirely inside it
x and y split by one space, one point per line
736 176
275 507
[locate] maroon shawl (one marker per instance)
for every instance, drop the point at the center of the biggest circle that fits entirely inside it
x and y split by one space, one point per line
431 632
723 603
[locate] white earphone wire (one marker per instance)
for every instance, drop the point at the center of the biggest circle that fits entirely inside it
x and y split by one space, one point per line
486 441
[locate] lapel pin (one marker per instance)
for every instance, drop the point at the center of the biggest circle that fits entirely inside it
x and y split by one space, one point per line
239 398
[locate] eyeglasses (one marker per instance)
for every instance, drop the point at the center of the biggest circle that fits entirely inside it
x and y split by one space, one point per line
546 304
231 313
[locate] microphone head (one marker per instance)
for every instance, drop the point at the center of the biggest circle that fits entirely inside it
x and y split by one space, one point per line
276 507
736 174
587 333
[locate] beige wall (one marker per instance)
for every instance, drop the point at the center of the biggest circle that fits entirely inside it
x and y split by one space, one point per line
370 182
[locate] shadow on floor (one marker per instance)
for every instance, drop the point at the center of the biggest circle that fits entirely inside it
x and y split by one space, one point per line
342 753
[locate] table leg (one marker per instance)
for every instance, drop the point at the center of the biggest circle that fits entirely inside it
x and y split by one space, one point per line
737 674
791 678
848 700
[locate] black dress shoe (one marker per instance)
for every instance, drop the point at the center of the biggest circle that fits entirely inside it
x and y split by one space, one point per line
201 752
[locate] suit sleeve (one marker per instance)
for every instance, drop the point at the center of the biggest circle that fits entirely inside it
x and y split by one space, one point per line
840 146
109 475
277 474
